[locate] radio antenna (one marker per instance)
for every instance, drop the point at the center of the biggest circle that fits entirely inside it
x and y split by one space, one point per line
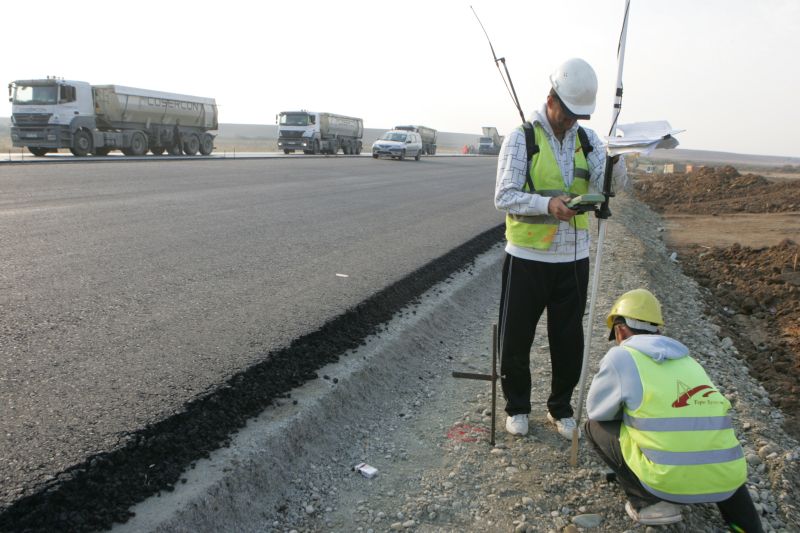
507 78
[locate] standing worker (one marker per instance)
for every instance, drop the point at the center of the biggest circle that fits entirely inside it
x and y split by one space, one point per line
659 422
547 254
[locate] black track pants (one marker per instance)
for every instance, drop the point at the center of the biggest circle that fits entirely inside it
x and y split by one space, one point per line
528 288
737 510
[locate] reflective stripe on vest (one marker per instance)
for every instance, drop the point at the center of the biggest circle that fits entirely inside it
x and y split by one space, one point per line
538 231
680 442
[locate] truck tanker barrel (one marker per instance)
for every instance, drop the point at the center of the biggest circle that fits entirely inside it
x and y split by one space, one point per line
341 126
118 106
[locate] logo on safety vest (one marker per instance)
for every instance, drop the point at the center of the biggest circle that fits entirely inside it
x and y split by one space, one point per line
685 394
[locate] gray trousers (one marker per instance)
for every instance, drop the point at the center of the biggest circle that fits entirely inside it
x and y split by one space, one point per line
738 511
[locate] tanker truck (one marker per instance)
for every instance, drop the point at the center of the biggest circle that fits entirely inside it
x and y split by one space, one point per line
315 133
428 137
49 114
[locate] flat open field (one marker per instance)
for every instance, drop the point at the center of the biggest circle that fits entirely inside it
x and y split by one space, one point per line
737 236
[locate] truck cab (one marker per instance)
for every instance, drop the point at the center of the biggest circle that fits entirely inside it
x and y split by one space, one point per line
45 112
299 130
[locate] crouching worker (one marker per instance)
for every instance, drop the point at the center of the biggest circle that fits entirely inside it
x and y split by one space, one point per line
658 421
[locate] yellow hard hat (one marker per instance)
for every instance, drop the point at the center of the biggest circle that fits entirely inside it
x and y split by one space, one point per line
638 304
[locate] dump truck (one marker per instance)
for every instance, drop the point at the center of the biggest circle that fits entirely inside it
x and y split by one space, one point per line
490 142
315 133
52 113
428 137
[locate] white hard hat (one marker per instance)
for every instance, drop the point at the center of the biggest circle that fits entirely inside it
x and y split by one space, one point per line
575 83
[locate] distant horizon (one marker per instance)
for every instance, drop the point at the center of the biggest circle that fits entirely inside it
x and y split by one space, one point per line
719 70
678 153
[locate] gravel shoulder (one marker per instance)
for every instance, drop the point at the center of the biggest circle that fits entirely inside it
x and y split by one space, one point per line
394 404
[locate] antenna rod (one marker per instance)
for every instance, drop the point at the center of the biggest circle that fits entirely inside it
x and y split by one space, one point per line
509 84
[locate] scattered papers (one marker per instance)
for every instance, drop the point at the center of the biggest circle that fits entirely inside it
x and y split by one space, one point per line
642 138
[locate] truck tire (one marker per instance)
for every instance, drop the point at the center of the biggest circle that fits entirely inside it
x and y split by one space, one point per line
315 151
138 144
157 150
191 145
206 144
105 150
358 148
82 144
37 151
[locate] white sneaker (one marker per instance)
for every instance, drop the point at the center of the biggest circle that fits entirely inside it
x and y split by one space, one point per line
565 426
655 515
517 424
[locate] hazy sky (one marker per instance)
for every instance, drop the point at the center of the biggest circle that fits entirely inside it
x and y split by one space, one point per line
724 70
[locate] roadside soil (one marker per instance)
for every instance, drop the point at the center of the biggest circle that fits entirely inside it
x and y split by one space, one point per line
736 236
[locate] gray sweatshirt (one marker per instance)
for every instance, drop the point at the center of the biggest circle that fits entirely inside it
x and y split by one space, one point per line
617 382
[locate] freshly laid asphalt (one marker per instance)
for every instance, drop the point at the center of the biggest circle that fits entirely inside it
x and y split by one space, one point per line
149 308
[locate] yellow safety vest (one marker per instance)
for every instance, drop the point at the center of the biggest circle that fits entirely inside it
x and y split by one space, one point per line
538 231
680 441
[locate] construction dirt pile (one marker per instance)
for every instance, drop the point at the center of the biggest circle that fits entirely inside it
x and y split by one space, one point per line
716 191
757 294
754 292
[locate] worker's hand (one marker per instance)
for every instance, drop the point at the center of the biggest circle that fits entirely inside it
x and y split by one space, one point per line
558 208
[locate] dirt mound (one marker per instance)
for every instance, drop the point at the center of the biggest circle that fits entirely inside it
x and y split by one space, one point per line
757 302
753 292
717 190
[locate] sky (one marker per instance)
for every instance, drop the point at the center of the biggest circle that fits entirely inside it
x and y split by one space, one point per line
726 71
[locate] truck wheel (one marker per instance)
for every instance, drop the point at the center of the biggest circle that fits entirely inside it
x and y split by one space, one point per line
402 155
358 148
191 145
207 144
138 144
157 150
316 148
102 151
38 152
346 149
82 144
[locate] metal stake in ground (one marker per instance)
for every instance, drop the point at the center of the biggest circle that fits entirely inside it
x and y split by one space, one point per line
602 214
487 377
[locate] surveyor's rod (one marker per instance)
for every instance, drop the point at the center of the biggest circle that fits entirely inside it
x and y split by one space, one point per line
494 377
602 216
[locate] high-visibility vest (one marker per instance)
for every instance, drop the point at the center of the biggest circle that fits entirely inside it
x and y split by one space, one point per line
680 441
538 231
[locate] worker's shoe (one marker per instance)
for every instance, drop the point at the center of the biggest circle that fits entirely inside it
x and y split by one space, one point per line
517 424
565 426
655 515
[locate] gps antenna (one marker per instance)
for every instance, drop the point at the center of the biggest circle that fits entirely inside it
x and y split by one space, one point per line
507 78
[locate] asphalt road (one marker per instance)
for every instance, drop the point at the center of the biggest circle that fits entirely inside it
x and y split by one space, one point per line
127 289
